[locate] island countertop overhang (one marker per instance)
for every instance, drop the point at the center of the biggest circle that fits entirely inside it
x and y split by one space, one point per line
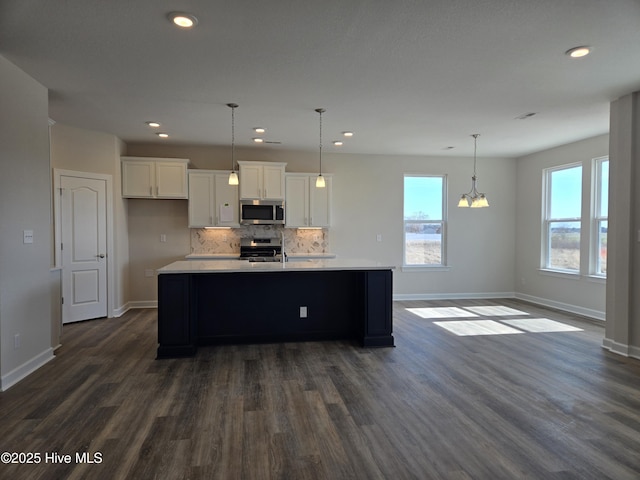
240 266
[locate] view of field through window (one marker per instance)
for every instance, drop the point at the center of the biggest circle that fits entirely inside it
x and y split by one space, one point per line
423 220
564 218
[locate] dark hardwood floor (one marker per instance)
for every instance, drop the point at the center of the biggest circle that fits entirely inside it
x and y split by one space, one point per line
438 406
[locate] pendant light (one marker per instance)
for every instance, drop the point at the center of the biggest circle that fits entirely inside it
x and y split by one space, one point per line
474 199
320 179
233 176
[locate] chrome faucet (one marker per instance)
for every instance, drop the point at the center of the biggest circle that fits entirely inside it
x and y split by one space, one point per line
283 254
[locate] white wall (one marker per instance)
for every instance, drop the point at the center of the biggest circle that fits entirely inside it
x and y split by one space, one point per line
25 278
95 152
368 197
579 294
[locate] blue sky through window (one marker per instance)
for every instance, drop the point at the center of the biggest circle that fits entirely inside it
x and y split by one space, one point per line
566 192
423 198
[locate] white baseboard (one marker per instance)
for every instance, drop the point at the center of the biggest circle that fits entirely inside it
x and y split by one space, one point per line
118 312
621 348
585 312
30 366
144 304
451 296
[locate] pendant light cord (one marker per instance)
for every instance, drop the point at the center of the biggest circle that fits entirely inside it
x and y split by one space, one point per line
233 137
320 111
233 107
475 148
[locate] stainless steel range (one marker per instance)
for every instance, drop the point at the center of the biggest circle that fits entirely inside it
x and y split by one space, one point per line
261 249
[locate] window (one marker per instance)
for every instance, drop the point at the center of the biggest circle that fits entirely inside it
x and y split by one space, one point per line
424 220
600 216
563 218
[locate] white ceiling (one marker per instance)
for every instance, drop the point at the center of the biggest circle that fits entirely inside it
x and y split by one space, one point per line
407 76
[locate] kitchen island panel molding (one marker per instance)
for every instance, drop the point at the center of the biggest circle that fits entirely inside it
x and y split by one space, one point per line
176 323
258 306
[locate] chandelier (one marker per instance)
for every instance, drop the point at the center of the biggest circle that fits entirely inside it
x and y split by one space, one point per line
473 198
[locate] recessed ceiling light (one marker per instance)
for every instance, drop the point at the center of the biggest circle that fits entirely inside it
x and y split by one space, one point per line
338 143
183 20
578 52
347 134
163 135
259 130
258 139
153 124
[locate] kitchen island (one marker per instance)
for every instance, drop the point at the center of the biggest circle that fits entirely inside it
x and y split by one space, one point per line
233 301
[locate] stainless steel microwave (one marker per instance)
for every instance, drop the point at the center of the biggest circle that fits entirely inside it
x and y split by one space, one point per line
262 212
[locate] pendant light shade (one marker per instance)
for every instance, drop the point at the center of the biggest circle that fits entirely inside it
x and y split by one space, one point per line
233 176
320 179
473 198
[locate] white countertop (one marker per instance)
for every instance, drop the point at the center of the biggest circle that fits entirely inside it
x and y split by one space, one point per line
212 256
234 256
231 266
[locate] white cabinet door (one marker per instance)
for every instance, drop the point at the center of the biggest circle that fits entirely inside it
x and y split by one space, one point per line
226 204
261 180
138 179
212 201
154 177
297 201
273 182
320 203
251 181
306 204
171 180
201 199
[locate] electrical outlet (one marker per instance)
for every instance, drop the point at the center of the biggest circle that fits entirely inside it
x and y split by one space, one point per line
303 312
16 340
163 237
27 236
379 237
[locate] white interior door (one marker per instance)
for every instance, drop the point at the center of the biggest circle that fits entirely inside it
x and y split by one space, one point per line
84 248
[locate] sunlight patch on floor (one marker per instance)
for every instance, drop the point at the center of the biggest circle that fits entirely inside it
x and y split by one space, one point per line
498 326
441 312
496 311
464 328
541 325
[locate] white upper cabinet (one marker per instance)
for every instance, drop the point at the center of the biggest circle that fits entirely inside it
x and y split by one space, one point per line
146 177
306 205
212 201
296 211
262 180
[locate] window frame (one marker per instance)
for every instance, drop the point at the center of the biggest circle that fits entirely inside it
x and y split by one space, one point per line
597 217
548 220
442 222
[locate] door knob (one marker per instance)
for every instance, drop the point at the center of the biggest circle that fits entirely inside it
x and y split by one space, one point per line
101 255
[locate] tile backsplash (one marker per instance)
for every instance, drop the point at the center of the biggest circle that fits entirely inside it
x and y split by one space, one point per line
207 241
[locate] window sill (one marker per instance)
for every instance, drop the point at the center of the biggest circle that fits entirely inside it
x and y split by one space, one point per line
573 276
425 268
560 273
